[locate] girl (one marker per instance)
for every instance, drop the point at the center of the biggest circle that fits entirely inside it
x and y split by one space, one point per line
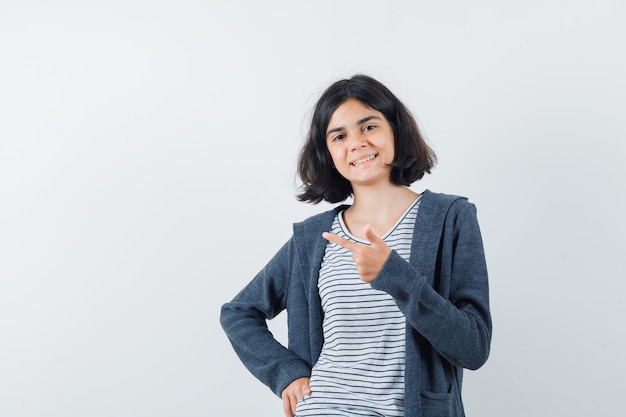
387 298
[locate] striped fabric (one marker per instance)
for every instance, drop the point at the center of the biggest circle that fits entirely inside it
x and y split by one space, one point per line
360 371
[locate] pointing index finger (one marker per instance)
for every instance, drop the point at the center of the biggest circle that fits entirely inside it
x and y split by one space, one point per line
345 243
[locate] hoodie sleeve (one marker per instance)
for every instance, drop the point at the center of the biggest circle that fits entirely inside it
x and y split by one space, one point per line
244 319
450 309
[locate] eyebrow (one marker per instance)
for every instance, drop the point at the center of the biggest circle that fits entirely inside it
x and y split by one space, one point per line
358 123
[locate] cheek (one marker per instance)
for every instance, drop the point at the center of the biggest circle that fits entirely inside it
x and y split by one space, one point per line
391 154
335 157
387 152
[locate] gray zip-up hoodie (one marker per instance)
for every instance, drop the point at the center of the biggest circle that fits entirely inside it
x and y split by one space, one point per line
442 291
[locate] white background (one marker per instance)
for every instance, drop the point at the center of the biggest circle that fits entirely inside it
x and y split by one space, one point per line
147 172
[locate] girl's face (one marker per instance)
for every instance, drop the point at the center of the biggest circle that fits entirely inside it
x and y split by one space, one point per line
361 143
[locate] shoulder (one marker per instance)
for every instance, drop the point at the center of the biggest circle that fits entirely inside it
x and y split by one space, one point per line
320 221
307 235
438 204
448 211
308 232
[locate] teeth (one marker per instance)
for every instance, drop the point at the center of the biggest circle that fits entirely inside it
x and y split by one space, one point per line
360 161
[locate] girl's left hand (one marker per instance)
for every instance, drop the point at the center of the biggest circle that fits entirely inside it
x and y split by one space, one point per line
294 393
369 259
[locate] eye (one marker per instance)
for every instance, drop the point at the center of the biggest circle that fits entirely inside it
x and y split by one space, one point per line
368 127
338 137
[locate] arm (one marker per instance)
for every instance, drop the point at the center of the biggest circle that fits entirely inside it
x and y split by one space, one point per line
244 321
455 318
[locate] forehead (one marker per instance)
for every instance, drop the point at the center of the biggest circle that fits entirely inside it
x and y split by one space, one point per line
350 112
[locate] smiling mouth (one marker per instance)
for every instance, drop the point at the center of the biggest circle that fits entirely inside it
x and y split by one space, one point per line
360 161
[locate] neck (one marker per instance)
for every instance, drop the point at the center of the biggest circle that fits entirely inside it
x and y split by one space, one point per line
380 205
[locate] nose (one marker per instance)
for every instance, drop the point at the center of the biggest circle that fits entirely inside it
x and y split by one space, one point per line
357 140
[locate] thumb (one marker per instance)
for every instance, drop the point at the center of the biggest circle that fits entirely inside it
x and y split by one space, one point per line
369 234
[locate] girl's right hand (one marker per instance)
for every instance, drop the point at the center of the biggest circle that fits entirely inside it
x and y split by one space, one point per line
294 393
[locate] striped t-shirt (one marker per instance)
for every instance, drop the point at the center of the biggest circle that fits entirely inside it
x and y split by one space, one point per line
360 371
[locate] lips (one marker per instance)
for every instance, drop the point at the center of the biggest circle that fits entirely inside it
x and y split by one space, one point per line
360 161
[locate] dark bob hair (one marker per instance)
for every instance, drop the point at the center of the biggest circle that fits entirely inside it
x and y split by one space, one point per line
321 180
